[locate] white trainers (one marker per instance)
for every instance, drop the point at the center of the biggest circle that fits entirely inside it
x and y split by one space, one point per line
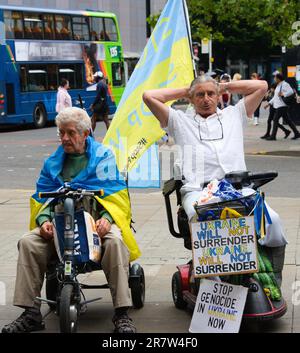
255 122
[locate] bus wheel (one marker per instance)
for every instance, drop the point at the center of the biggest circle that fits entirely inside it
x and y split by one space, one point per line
39 116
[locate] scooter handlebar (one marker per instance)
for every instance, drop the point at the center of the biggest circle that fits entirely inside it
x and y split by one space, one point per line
56 194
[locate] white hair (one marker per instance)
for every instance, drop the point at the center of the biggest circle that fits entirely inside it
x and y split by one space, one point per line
74 115
200 80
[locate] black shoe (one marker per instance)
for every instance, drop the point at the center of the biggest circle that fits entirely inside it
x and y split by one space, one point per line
297 136
27 322
265 136
123 324
287 134
270 138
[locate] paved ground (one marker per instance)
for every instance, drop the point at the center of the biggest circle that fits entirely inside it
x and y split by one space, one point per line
161 254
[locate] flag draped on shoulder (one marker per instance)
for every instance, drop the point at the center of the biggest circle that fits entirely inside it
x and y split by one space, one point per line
100 173
166 62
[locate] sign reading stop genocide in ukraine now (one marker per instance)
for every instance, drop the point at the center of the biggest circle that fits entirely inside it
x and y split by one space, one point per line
224 247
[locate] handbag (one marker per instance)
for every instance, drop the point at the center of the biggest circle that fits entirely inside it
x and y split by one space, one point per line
289 100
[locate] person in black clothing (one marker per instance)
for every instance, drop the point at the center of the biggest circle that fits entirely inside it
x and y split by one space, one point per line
283 89
268 97
100 104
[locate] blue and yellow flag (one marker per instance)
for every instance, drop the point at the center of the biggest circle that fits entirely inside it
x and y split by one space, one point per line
100 173
165 62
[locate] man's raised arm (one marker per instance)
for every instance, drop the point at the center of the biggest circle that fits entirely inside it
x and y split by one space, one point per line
156 99
253 90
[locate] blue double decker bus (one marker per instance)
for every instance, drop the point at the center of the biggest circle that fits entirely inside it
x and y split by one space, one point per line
39 47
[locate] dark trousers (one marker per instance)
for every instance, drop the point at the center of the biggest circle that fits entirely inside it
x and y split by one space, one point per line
270 119
283 112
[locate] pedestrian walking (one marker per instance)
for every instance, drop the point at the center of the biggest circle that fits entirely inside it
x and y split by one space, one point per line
269 96
235 97
283 89
63 99
100 104
225 97
256 76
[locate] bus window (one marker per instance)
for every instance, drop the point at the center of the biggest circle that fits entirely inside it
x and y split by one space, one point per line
80 28
23 78
37 78
110 32
52 77
33 26
73 73
97 28
13 24
118 78
48 26
63 27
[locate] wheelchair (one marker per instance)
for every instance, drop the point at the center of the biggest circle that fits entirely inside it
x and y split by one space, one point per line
64 292
185 286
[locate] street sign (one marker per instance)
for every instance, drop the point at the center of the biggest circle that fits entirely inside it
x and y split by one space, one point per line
205 46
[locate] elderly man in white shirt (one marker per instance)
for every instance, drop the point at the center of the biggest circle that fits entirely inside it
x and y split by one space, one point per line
283 89
216 134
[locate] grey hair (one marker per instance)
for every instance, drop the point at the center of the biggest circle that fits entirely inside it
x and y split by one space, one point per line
74 115
200 80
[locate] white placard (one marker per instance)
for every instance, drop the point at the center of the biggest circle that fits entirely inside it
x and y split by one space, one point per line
224 247
219 308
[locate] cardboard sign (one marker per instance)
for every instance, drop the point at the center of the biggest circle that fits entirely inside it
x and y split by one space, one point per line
219 307
224 247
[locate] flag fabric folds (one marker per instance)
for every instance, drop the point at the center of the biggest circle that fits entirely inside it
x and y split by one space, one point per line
166 62
100 173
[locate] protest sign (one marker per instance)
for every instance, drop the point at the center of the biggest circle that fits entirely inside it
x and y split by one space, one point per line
219 307
224 247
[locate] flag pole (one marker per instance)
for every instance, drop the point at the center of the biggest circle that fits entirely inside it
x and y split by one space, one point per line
188 27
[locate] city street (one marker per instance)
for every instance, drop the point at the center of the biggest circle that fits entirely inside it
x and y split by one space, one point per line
22 155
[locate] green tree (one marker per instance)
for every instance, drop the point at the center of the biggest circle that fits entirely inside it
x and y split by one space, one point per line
243 28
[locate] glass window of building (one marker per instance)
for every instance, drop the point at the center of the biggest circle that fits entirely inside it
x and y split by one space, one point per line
110 33
80 28
33 26
13 24
63 27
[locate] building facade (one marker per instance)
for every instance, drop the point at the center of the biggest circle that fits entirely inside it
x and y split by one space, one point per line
131 15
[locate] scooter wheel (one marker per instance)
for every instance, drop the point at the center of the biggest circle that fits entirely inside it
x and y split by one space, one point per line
68 310
177 291
137 285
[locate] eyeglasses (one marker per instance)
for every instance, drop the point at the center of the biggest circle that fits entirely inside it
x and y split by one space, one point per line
211 139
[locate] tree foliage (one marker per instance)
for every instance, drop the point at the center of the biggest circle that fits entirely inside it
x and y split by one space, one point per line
236 21
242 27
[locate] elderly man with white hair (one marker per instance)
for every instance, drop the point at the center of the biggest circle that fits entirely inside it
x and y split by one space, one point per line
217 135
75 158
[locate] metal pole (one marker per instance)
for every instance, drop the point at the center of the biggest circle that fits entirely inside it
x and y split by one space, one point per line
148 13
210 54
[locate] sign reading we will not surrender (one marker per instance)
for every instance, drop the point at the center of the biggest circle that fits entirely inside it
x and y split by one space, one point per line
224 247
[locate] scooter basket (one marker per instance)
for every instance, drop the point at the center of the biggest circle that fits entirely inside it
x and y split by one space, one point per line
211 211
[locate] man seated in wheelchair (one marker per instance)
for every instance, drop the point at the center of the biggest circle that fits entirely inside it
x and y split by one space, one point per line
85 164
212 136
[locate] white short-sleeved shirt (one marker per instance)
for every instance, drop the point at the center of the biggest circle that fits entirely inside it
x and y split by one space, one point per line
211 147
286 89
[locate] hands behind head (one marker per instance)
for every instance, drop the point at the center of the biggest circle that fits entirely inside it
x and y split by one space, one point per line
103 226
46 230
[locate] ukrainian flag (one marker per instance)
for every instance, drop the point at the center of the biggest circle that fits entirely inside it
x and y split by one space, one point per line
100 173
165 62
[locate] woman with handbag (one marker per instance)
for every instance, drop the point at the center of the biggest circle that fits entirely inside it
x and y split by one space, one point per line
280 103
100 105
